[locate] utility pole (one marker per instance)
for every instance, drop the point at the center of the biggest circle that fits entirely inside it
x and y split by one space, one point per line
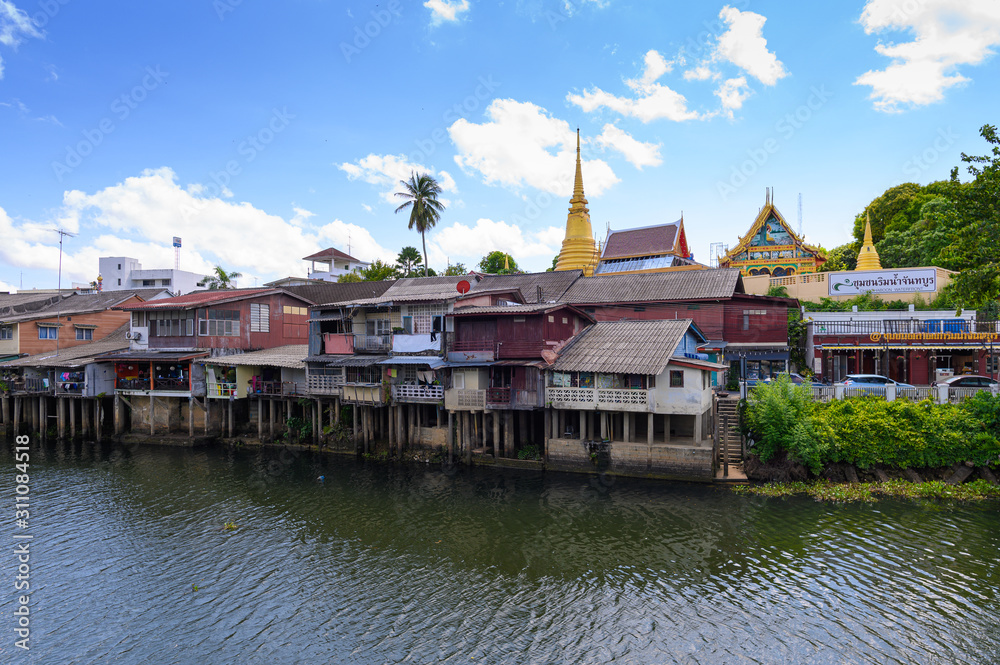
62 234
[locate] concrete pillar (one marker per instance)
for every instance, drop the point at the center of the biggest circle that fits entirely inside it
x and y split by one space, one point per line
391 428
98 418
508 438
649 429
260 419
116 411
44 416
496 435
697 428
317 422
666 428
84 417
208 407
451 438
583 425
33 407
336 410
627 427
354 426
4 411
190 417
467 436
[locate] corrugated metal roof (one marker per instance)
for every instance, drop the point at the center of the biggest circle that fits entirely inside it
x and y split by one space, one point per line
346 361
290 356
165 356
645 241
553 284
654 287
199 299
76 356
415 289
433 361
330 253
507 309
78 303
623 347
337 292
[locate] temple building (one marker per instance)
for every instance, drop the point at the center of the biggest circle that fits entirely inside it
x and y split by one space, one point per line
772 248
659 248
579 251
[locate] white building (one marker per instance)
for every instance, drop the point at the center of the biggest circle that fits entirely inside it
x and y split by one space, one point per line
121 272
331 263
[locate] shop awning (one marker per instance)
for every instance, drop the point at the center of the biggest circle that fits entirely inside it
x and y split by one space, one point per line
897 347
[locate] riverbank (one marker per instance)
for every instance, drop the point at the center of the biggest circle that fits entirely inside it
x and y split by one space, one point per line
826 490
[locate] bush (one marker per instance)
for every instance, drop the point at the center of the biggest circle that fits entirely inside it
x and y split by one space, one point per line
779 416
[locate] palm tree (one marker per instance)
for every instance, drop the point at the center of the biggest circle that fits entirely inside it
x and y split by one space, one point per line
421 192
220 279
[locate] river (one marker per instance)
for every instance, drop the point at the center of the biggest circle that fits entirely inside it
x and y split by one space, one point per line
337 561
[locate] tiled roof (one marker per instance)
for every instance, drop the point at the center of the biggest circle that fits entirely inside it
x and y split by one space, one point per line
19 303
329 254
656 287
346 361
623 347
77 303
553 284
199 299
645 241
76 356
336 292
290 356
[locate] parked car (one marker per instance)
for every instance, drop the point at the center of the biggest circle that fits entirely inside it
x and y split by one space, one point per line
872 384
796 378
968 381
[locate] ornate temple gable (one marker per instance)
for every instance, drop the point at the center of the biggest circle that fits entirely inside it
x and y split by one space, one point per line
772 247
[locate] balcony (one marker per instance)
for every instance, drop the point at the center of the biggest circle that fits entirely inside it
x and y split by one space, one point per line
406 393
171 384
512 398
218 390
29 386
361 393
604 399
372 343
323 384
278 388
139 383
459 399
473 351
338 343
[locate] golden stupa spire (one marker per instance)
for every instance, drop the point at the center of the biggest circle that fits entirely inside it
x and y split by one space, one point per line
578 249
868 256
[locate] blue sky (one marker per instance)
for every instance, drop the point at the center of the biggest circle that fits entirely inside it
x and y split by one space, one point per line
260 133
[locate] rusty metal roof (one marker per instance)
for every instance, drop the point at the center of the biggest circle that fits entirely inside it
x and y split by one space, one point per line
77 303
199 299
76 356
623 347
290 356
417 289
656 287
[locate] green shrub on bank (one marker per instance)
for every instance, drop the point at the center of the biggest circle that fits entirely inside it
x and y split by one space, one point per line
869 431
781 417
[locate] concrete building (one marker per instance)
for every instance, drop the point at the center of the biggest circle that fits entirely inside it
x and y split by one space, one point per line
122 273
332 263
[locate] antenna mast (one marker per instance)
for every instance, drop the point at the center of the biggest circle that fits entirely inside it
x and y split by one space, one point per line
62 234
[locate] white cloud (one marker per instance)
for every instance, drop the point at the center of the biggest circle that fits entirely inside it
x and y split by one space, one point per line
652 101
701 73
385 171
733 92
638 153
521 144
446 10
947 34
15 27
138 216
468 244
743 44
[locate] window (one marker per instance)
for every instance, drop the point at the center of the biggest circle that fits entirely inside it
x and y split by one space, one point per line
378 327
426 318
459 380
260 318
84 334
48 332
170 324
119 267
219 323
518 319
6 332
676 378
552 319
297 311
149 282
119 280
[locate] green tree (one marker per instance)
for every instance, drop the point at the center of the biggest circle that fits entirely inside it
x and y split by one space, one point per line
349 278
843 257
421 195
555 262
456 269
407 261
976 251
378 271
220 279
498 263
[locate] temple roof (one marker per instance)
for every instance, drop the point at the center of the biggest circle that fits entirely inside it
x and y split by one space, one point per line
643 241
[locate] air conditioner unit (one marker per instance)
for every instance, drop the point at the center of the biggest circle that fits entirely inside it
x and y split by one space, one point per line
133 335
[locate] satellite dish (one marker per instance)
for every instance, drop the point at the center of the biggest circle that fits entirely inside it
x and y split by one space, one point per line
463 286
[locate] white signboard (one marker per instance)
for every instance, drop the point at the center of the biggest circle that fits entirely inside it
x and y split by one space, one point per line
904 280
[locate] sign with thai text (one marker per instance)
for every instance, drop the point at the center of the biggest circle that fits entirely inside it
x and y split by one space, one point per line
883 281
934 337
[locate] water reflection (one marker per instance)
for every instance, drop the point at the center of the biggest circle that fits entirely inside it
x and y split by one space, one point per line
377 563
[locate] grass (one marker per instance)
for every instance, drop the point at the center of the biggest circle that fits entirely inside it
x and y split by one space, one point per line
823 490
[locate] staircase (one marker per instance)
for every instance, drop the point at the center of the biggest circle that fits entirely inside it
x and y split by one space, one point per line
728 442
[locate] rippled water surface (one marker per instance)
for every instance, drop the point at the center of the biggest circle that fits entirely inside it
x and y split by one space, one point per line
132 563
